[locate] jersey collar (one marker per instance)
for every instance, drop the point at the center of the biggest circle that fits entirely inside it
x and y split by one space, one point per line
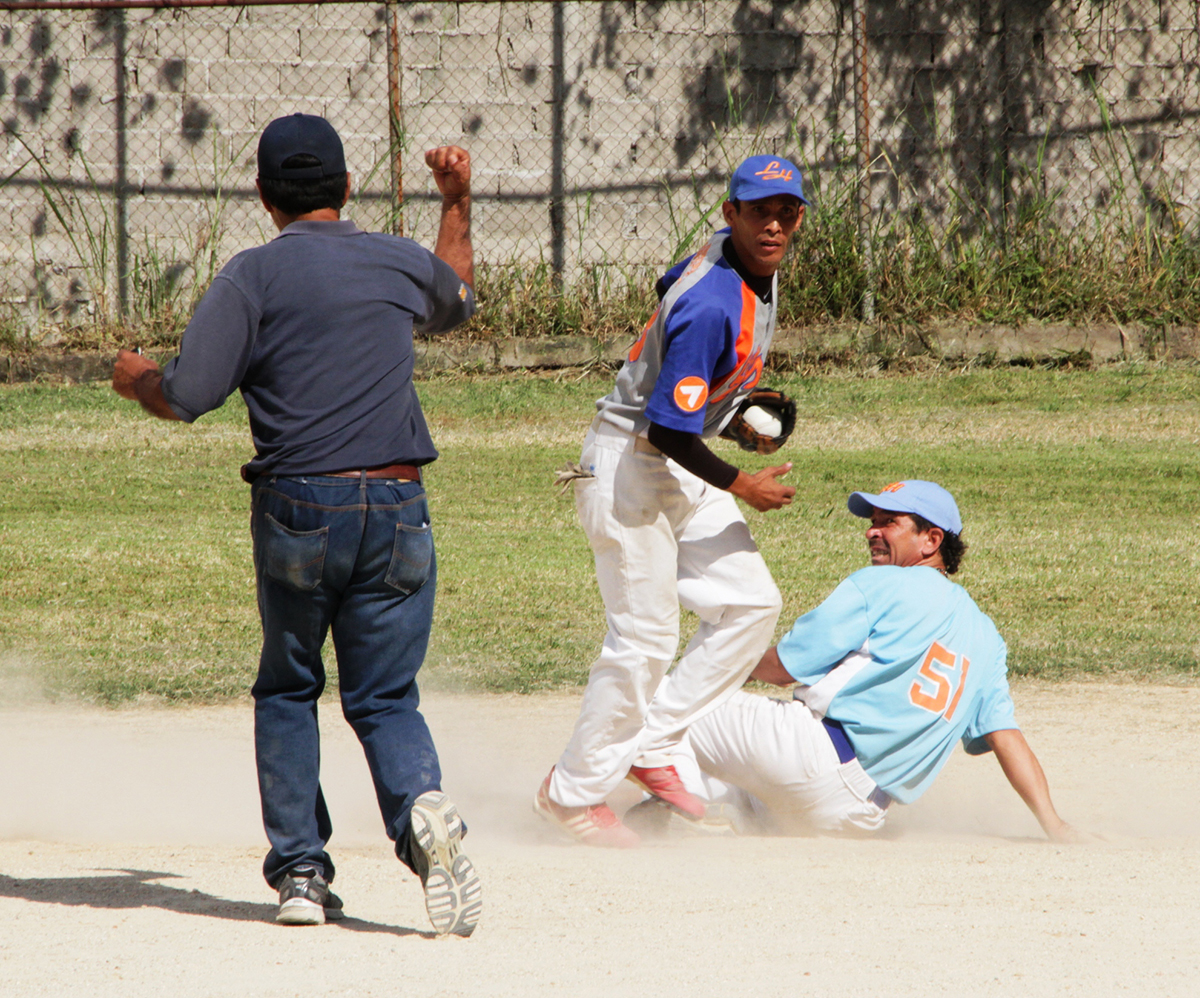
761 286
341 227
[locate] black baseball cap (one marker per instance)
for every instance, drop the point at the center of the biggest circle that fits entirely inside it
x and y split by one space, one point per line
295 134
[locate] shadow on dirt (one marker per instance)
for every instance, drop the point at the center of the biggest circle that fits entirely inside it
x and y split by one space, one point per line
133 889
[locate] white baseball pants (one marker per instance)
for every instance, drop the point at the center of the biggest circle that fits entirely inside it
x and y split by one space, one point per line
661 537
773 761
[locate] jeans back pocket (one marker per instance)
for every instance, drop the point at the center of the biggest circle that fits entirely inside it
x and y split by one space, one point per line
412 556
295 558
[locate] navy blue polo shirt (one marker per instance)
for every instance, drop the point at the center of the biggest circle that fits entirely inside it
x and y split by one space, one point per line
316 330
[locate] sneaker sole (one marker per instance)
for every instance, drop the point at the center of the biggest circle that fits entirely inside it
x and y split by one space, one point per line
655 818
453 896
301 911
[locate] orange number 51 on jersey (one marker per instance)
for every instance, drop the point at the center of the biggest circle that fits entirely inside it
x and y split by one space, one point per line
945 671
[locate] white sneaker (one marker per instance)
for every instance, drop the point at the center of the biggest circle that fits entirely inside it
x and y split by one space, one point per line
655 818
453 897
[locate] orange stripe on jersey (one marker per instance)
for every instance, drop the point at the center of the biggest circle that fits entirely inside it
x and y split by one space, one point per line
636 350
745 342
697 260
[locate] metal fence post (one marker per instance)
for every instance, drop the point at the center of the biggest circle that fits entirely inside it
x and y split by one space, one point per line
396 122
558 98
862 135
121 178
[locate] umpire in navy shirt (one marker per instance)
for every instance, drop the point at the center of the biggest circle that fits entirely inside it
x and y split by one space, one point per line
315 329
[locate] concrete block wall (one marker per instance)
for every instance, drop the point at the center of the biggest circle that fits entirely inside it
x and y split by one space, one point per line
655 104
198 87
652 104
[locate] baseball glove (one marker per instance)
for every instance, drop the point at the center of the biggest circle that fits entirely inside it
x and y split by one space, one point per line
763 421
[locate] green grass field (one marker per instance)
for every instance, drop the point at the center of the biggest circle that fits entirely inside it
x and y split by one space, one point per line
125 552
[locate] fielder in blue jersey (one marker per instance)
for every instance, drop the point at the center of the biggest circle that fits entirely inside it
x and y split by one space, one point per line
894 668
659 512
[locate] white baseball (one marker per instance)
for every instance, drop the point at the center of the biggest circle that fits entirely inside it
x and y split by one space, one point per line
762 421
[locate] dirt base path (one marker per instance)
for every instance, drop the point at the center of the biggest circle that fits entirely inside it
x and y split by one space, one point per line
130 847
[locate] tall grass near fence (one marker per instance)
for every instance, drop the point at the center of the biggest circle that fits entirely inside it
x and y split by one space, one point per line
165 273
1135 259
522 299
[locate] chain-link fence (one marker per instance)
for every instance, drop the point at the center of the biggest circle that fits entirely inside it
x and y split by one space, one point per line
602 134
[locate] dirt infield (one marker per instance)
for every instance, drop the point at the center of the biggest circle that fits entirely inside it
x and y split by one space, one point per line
130 847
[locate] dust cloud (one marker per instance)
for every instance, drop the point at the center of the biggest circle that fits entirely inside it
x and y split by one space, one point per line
1117 758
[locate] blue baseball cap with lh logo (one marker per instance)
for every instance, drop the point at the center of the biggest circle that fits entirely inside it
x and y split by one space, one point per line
764 177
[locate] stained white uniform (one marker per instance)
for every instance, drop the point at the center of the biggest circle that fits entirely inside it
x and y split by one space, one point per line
906 665
662 537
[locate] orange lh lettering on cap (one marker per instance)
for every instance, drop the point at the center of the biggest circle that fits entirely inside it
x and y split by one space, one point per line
691 393
774 170
894 487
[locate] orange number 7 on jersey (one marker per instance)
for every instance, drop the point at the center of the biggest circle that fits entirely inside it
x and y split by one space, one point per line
952 667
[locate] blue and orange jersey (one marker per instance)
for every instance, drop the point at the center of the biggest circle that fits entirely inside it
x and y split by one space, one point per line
700 353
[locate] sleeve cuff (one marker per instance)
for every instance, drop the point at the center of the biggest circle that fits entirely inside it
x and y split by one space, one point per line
978 744
176 407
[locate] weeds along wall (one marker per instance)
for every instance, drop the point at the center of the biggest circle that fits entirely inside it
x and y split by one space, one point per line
603 135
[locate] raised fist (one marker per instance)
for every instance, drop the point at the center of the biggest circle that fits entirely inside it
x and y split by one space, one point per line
451 166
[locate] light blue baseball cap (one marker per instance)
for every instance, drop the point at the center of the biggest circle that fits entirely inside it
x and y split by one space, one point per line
764 177
926 499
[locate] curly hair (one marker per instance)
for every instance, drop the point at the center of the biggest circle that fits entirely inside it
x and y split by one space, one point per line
952 548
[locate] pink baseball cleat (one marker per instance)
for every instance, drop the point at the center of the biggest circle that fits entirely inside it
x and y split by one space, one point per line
594 825
664 782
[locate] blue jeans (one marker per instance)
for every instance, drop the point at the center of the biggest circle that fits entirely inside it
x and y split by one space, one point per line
355 555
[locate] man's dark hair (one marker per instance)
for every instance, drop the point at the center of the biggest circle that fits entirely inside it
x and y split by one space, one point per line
953 547
299 197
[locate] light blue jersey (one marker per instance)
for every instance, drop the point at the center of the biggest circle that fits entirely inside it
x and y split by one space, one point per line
909 665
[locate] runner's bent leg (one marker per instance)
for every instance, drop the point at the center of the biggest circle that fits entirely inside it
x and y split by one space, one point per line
779 752
724 580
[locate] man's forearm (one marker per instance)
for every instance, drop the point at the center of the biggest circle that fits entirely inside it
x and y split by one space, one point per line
454 238
148 388
139 379
770 670
1025 774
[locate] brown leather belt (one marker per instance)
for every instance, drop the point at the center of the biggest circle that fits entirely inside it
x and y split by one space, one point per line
407 472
